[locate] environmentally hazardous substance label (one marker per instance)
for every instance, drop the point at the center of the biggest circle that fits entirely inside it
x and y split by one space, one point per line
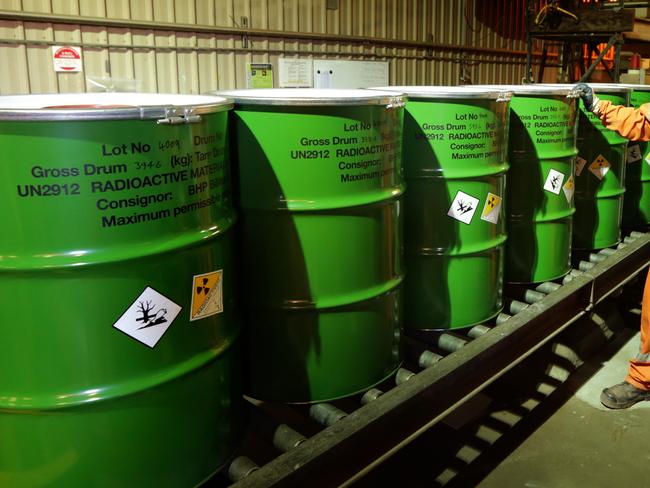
148 317
463 207
492 208
569 188
633 153
580 164
599 167
554 181
207 295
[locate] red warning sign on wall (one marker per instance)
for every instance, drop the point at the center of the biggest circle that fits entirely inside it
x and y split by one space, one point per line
66 58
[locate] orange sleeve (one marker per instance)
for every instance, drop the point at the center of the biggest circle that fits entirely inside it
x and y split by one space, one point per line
631 123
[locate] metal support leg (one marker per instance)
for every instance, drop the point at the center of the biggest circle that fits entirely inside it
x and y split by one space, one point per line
600 57
542 63
529 61
617 59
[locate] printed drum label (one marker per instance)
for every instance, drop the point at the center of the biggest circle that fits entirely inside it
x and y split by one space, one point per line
207 295
492 208
148 317
554 181
569 189
600 167
463 207
633 153
149 176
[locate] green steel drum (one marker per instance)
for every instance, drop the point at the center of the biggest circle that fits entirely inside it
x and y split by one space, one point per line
455 167
541 183
119 364
636 204
600 176
320 185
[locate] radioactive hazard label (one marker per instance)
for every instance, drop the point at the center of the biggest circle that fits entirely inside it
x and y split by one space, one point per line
207 295
463 207
569 188
580 164
148 317
492 208
554 181
633 153
599 167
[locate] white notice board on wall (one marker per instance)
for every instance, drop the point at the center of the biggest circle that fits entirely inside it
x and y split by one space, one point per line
295 73
338 73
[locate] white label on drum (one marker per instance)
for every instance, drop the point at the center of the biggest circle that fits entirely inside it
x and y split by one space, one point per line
554 181
580 164
633 153
463 207
148 317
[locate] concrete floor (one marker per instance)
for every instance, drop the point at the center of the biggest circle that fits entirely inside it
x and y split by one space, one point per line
583 444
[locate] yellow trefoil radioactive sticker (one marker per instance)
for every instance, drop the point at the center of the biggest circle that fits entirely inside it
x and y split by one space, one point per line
492 208
207 295
599 167
569 188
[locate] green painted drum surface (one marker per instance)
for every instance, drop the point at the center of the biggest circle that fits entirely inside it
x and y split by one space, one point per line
541 184
636 204
600 176
116 370
455 167
320 184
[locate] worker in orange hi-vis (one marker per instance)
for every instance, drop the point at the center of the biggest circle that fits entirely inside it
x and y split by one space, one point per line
631 123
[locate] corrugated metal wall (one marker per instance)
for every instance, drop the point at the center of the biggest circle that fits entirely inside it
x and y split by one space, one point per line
194 46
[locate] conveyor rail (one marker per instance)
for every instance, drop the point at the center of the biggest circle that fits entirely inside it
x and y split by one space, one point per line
352 444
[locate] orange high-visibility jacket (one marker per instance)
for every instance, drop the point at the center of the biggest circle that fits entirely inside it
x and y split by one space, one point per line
633 124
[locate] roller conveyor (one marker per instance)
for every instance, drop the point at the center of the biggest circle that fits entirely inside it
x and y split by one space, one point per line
336 443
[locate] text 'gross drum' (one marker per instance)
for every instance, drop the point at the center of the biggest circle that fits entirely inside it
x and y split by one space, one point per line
320 183
118 326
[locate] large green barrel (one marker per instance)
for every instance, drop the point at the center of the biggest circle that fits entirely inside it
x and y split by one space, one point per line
636 204
117 321
600 176
320 185
541 184
455 167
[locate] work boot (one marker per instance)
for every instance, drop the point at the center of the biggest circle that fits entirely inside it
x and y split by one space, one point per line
623 395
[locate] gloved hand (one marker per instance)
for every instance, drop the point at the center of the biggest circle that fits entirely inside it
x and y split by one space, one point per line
590 100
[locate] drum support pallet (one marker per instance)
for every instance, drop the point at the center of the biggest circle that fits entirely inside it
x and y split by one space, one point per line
351 444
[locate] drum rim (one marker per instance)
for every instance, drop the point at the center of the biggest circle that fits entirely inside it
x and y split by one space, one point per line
212 104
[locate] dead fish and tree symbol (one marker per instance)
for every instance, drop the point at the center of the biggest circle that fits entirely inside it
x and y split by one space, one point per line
148 317
555 181
464 207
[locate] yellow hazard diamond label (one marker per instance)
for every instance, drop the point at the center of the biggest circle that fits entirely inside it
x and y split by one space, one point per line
599 167
492 208
569 188
207 295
